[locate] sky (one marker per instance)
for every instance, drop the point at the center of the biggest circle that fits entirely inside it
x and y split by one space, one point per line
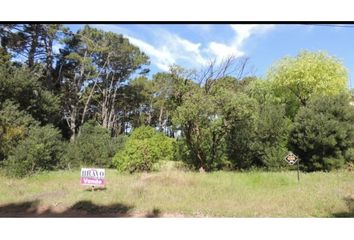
194 45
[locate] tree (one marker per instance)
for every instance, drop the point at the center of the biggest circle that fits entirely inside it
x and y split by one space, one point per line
23 87
205 115
141 102
6 36
33 42
96 64
76 70
202 129
122 60
297 79
33 45
323 132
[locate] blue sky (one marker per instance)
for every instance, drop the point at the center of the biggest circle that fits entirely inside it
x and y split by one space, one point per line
194 45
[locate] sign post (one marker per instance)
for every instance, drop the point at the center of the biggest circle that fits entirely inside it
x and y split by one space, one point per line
298 171
291 158
93 177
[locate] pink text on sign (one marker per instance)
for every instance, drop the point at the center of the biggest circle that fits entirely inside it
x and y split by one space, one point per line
93 177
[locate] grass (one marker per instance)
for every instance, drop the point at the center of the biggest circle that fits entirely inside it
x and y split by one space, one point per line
177 193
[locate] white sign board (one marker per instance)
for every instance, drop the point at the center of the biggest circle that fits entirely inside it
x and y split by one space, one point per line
93 177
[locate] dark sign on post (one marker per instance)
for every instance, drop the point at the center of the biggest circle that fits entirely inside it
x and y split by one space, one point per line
291 158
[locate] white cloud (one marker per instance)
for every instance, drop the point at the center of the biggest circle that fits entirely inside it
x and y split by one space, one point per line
234 47
183 49
162 57
167 48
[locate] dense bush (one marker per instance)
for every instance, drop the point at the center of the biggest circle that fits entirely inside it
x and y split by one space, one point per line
14 127
258 134
323 132
271 141
143 149
41 150
241 115
94 147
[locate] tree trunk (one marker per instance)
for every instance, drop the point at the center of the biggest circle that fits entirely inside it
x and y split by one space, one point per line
160 118
199 154
149 114
73 123
49 64
33 47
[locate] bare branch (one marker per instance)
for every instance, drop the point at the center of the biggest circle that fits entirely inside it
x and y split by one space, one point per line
230 66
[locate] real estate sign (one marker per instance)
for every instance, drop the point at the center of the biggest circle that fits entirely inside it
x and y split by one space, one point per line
93 177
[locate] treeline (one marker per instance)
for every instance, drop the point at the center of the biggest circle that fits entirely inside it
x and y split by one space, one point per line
85 98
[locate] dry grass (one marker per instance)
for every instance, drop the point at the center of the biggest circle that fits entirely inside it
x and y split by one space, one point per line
177 193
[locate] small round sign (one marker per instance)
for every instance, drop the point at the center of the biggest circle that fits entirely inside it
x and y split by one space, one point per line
291 158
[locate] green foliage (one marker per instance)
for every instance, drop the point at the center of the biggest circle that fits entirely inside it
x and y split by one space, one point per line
4 56
143 132
323 132
143 150
349 155
96 87
94 65
41 150
229 129
297 79
203 130
14 126
22 86
271 140
94 147
273 127
241 113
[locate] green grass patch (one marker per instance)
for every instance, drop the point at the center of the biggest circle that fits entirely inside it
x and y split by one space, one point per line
178 193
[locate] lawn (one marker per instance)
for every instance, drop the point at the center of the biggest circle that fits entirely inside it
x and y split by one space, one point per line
181 194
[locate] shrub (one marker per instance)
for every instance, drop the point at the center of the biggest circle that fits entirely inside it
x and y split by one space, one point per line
324 132
258 132
93 147
41 150
143 150
14 127
273 129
